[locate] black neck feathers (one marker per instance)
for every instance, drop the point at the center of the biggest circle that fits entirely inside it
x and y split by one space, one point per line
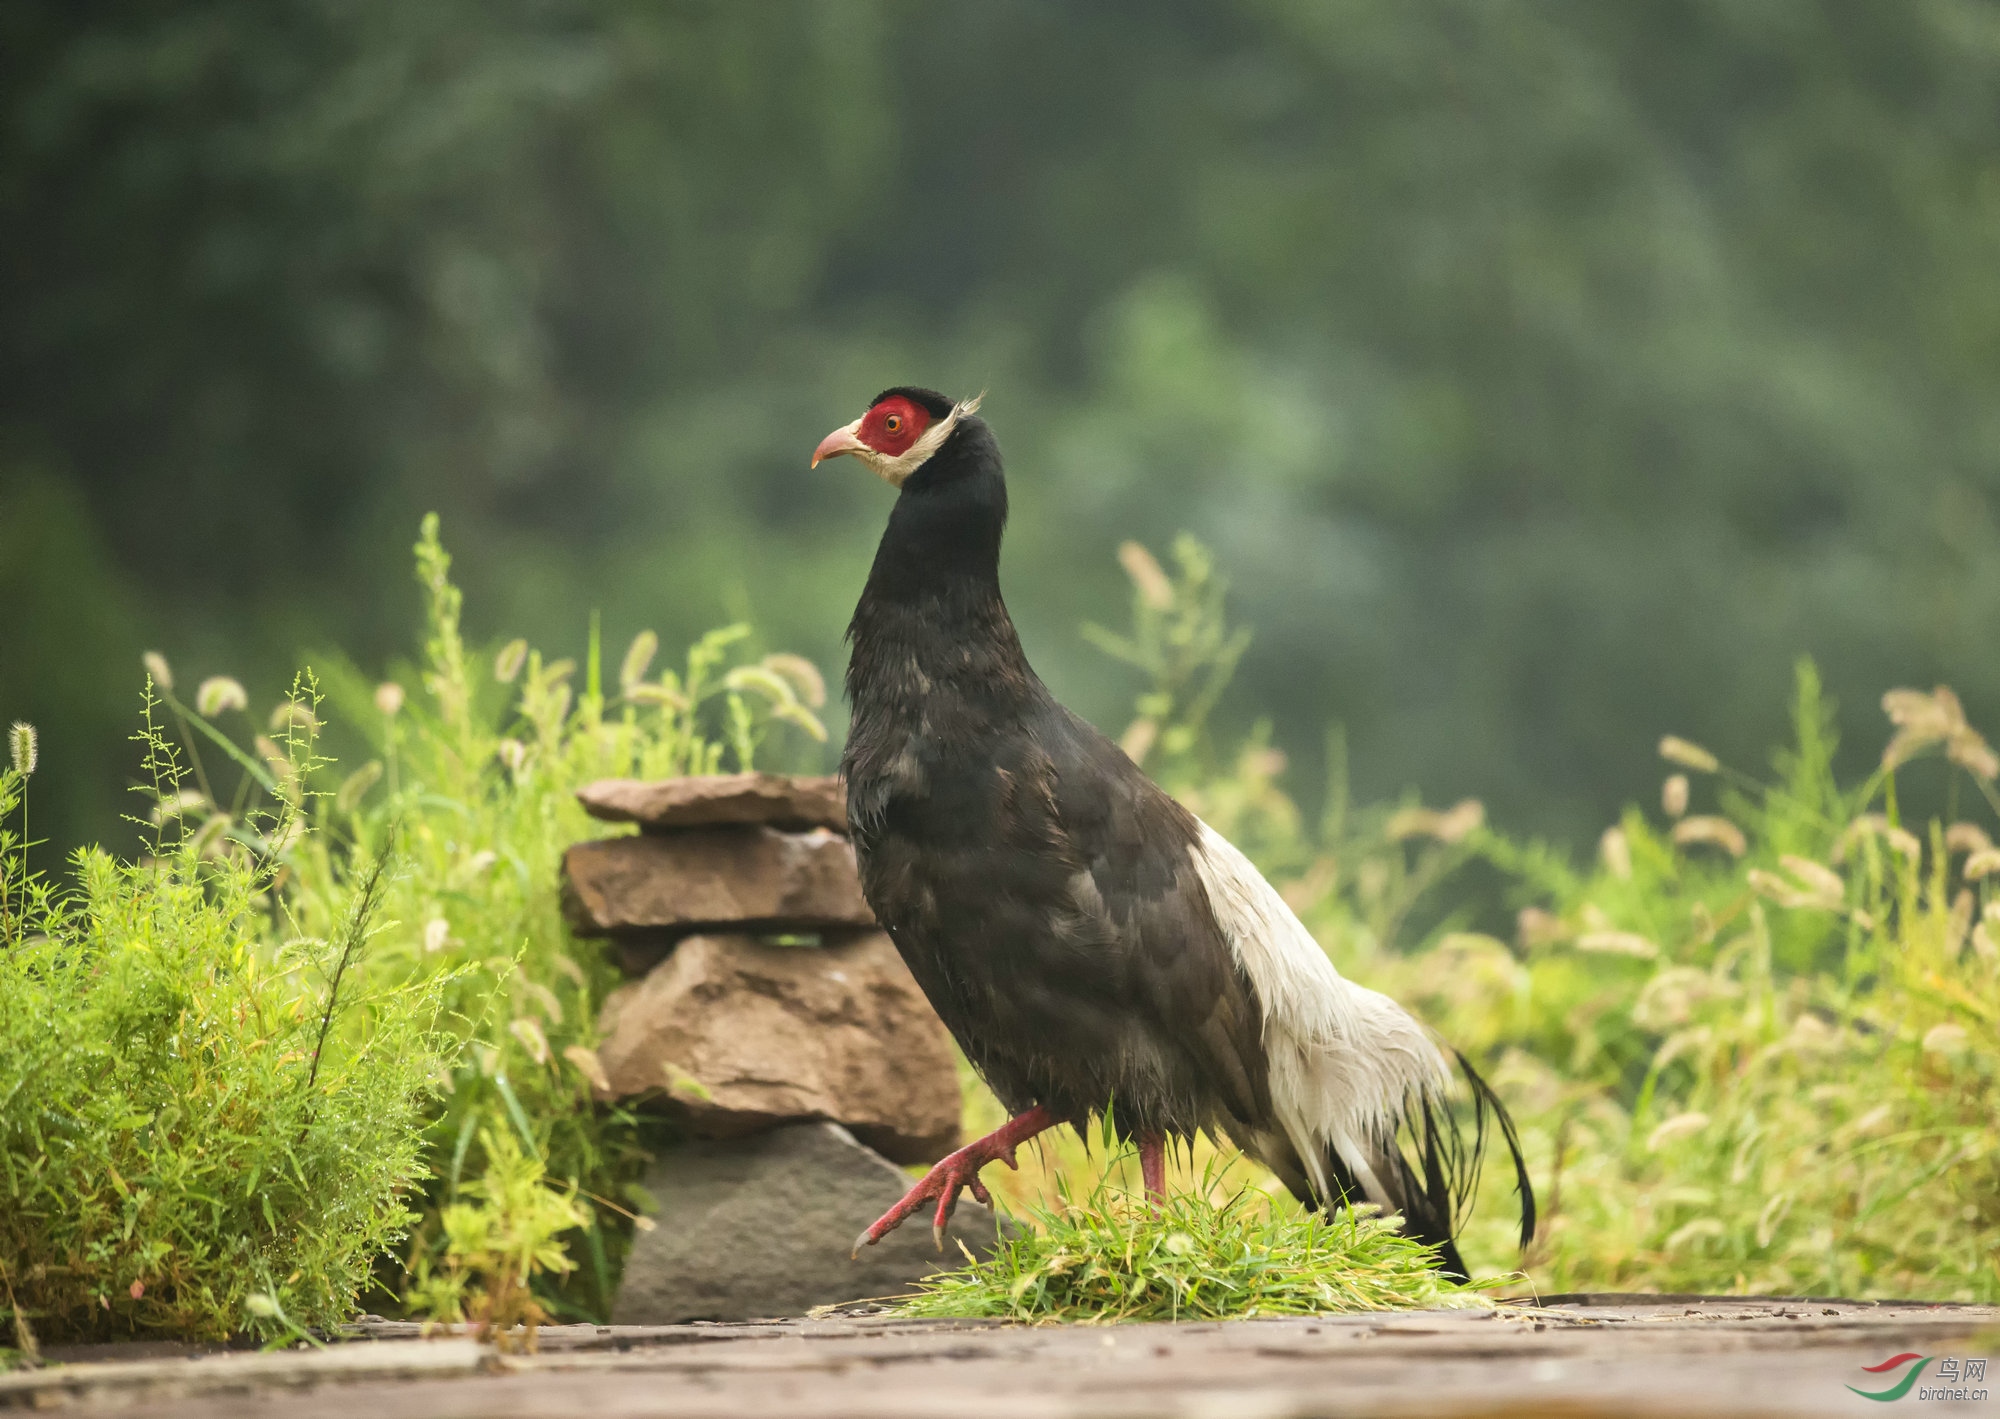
931 637
943 538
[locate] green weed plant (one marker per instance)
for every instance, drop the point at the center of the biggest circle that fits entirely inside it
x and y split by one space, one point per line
210 1118
505 1231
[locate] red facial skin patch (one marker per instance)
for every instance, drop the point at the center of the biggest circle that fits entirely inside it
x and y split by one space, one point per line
893 425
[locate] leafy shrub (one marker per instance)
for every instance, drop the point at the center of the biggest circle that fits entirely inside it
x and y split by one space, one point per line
475 759
208 1124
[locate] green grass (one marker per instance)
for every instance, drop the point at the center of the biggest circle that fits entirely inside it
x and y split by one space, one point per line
1108 1256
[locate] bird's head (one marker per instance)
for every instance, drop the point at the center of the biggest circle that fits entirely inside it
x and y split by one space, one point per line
901 430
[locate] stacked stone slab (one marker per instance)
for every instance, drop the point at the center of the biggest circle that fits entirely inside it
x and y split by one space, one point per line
763 1006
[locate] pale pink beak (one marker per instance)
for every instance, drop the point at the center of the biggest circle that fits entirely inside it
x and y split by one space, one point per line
841 440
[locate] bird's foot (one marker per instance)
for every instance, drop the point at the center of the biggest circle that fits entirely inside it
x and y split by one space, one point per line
955 1172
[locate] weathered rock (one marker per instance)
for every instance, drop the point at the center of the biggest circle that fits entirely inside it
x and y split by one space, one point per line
742 877
735 1036
761 1227
774 800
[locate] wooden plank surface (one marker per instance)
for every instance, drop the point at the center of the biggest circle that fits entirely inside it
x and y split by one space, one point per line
1630 1357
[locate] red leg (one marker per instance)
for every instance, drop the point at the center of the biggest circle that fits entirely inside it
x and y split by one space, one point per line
1153 1166
959 1170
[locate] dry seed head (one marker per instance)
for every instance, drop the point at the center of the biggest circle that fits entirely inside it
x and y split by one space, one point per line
1983 863
1970 751
648 693
507 664
1617 943
1614 850
437 934
804 675
1537 926
1966 837
1787 893
1155 589
157 667
217 694
638 659
1817 876
532 1039
514 754
1674 795
389 698
1138 738
1689 755
1680 1126
1457 821
589 1066
1719 832
23 747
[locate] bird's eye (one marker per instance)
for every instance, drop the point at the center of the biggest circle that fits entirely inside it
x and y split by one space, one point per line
893 424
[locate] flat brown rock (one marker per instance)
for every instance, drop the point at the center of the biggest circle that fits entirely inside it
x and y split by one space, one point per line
774 800
742 877
735 1036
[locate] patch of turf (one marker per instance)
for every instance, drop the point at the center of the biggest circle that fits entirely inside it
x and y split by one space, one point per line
1110 1256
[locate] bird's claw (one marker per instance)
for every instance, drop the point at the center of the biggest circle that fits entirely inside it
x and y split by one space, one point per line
957 1173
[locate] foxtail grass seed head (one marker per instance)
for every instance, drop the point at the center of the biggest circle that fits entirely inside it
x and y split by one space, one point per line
1689 755
804 675
1966 837
589 1066
1716 832
389 698
1537 926
1614 850
529 1033
219 693
507 664
1674 795
157 667
1983 863
1618 943
1680 1126
1455 823
23 747
638 660
1155 589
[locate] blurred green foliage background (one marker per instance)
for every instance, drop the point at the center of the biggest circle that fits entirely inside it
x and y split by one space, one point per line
1546 375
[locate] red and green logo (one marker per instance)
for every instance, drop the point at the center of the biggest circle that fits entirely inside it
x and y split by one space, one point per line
1893 1363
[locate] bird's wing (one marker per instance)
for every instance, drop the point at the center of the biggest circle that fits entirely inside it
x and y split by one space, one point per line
1339 1073
1138 883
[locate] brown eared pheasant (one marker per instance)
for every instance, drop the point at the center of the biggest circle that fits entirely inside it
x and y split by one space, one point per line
1090 943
